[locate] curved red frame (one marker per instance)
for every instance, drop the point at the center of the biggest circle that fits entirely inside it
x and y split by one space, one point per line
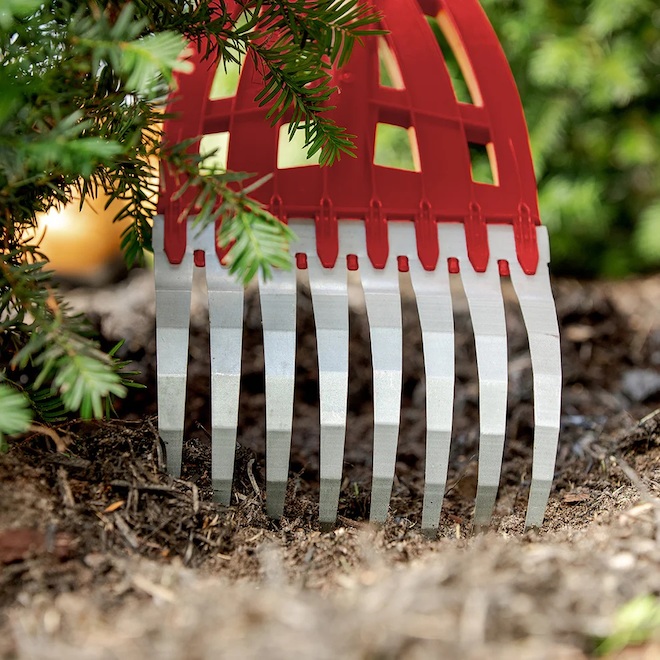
355 188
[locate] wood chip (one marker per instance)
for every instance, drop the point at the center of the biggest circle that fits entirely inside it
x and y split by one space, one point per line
576 498
114 506
579 333
152 589
65 488
20 543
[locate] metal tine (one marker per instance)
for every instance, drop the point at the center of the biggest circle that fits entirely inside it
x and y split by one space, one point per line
278 315
329 288
383 303
540 317
173 294
434 306
226 338
484 295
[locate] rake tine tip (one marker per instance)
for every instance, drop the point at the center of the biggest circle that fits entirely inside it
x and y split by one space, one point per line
538 501
275 495
431 533
479 529
381 491
484 504
329 500
172 443
222 494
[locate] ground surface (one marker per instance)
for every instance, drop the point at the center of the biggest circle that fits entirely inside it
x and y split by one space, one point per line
102 555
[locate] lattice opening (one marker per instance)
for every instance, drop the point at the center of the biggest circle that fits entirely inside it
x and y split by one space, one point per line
228 74
388 67
225 81
483 164
214 148
291 150
396 147
457 60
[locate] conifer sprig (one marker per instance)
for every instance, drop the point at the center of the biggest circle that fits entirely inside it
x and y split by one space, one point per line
82 91
295 44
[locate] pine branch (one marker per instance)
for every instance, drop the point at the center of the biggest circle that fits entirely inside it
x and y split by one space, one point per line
82 88
256 239
295 44
53 341
15 413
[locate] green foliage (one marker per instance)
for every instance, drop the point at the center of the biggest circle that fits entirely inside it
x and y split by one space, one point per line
82 90
587 73
637 622
260 241
258 246
15 413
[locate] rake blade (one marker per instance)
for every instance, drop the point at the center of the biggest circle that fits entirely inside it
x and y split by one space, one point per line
540 317
226 337
329 289
383 302
173 293
278 315
434 306
484 295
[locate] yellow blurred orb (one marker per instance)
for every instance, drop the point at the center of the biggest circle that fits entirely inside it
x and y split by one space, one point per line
81 243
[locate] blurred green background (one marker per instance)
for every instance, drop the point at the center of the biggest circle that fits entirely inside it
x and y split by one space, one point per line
588 72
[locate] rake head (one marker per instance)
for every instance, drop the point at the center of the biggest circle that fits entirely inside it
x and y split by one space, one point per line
430 218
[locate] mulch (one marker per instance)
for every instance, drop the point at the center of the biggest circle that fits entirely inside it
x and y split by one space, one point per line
103 525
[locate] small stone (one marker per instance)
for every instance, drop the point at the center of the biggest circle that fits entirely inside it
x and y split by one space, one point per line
640 384
624 561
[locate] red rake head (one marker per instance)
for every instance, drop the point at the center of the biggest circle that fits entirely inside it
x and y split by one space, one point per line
438 188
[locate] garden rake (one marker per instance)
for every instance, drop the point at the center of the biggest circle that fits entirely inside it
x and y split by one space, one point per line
428 216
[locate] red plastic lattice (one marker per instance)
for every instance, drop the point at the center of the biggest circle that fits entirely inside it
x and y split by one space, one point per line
440 187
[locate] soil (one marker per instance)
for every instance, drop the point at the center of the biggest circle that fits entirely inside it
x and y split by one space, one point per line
103 555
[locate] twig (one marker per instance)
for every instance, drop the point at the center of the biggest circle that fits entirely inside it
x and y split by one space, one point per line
187 555
152 589
355 524
72 462
160 458
126 531
461 475
163 524
156 488
636 481
644 492
60 443
202 539
195 499
65 488
199 427
649 417
253 481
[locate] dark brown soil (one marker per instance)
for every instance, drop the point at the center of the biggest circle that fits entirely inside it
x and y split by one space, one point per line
103 555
